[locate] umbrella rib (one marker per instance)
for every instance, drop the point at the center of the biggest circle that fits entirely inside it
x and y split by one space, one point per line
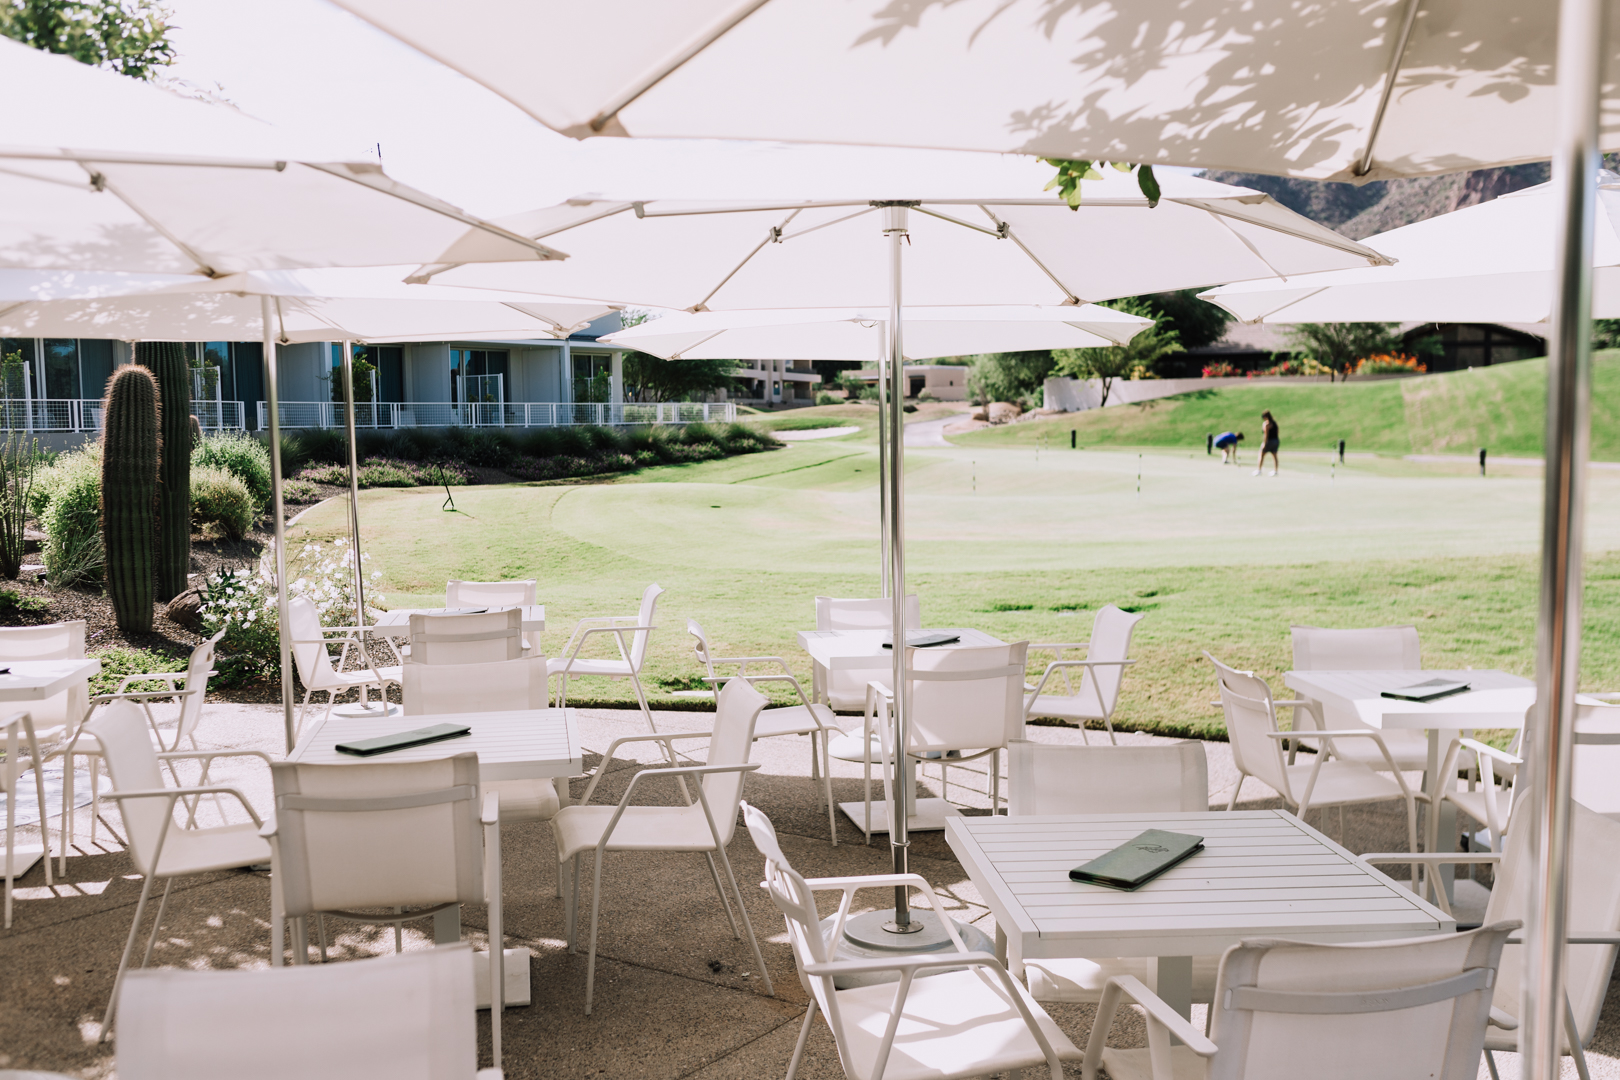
835 221
1098 332
24 174
281 320
1328 239
553 323
672 64
1004 229
958 221
1252 249
703 341
1364 166
101 183
774 236
615 208
109 158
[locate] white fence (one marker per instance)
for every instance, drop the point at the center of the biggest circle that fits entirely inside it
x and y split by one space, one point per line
518 414
84 414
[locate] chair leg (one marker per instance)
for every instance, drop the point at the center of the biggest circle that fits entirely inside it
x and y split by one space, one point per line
572 916
157 923
278 926
399 936
11 847
804 1037
1490 1065
320 934
123 963
759 958
596 910
300 934
641 697
1573 1034
826 780
725 901
1232 802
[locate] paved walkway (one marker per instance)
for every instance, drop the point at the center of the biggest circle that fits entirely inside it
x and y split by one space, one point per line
931 432
676 995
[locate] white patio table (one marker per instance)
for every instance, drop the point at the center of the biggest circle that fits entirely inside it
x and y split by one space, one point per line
397 623
1262 873
36 680
519 745
862 650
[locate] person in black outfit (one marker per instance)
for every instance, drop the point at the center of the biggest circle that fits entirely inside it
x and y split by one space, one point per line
1268 443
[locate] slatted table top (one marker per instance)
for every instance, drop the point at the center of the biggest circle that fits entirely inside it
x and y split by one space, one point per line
36 680
397 623
859 648
1498 698
1262 873
520 745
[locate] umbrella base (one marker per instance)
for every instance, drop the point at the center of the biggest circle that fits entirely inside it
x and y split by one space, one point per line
375 710
865 939
929 815
23 858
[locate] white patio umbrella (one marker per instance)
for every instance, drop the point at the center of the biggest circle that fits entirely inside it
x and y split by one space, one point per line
1001 245
1485 263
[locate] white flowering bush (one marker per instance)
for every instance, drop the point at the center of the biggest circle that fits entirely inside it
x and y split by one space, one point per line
243 604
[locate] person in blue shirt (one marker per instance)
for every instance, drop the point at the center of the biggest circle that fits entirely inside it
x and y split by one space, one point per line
1227 443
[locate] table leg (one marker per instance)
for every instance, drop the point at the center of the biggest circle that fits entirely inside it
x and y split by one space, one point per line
1175 985
1001 945
447 925
1440 817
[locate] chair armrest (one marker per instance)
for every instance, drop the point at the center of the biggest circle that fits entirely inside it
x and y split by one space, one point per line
175 793
1581 937
1061 645
1055 664
597 773
1131 988
491 813
865 881
1490 751
1503 1020
142 695
166 676
903 963
209 755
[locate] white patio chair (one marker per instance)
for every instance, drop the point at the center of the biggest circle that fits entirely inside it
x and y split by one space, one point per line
1595 782
159 847
1257 751
806 718
972 1022
492 594
1101 673
964 704
706 828
570 664
1593 920
182 726
412 835
396 1016
845 688
310 644
483 638
21 744
1381 648
1047 779
1483 800
1415 1007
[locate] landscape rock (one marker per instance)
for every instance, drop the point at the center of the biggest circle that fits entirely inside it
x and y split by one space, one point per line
1003 412
978 413
186 610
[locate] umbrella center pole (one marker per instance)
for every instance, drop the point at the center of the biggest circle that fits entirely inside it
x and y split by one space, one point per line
278 510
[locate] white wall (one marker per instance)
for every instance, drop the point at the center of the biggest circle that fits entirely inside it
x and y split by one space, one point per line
299 371
427 373
536 375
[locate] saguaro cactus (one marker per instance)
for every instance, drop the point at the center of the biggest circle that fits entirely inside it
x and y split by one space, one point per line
129 487
167 362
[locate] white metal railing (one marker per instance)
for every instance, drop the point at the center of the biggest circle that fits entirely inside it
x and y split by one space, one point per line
324 414
84 414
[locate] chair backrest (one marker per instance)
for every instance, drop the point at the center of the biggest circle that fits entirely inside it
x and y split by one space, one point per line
473 688
1595 782
834 613
1412 1007
378 833
797 903
731 744
701 646
126 747
1246 701
1111 631
197 669
304 625
1594 905
965 699
638 640
489 593
407 1015
481 638
1379 648
54 641
1047 779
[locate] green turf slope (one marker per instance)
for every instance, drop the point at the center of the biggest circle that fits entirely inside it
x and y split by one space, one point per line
1500 407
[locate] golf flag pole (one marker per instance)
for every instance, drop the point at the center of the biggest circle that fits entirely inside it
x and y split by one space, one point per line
894 229
277 507
1558 634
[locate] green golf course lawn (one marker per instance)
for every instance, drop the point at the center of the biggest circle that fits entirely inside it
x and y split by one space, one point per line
1024 544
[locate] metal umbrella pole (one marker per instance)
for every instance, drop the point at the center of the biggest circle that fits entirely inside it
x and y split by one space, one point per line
894 229
884 522
272 399
1558 633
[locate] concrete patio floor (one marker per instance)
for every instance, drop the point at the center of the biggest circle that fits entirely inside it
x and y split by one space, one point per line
676 996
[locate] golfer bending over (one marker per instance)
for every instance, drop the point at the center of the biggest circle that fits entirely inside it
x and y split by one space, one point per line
1226 442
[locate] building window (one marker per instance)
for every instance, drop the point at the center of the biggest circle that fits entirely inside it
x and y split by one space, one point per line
470 371
61 368
593 377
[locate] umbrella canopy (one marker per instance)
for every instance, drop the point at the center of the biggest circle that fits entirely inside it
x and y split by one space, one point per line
1485 263
1338 92
367 304
857 333
1001 246
104 173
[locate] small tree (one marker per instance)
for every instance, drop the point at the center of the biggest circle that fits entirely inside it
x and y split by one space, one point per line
130 37
1131 360
1338 346
1007 376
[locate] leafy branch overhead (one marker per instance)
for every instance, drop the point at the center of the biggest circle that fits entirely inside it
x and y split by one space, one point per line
1070 174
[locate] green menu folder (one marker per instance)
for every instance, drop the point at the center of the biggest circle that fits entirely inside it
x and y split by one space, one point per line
1138 861
382 744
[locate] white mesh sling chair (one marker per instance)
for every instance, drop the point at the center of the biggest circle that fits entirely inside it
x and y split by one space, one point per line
1047 779
469 594
1487 802
310 650
1381 648
1101 673
412 835
971 1022
629 633
397 1016
1593 921
160 848
844 688
1413 1008
964 702
806 718
1257 751
22 745
478 638
1595 782
705 828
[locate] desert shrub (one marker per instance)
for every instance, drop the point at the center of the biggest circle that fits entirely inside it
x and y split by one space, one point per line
824 398
242 456
389 472
324 446
70 515
481 448
117 663
220 499
299 491
380 473
1220 369
924 394
324 474
13 601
